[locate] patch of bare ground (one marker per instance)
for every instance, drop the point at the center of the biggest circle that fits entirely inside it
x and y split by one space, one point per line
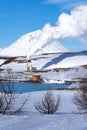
20 61
84 66
41 71
72 89
56 70
13 59
1 69
80 80
84 80
9 60
61 69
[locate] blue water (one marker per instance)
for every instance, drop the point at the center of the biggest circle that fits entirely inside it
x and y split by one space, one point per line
23 87
31 87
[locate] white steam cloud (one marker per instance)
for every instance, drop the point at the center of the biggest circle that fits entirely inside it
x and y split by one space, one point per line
73 25
69 25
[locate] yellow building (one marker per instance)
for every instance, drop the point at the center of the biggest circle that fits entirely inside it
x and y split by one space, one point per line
35 78
30 67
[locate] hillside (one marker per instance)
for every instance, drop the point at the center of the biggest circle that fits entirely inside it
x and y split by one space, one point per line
47 61
51 60
32 44
59 66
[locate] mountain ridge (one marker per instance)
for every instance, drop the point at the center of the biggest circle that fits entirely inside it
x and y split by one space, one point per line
31 44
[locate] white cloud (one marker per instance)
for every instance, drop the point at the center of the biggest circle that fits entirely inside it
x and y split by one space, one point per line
73 25
69 25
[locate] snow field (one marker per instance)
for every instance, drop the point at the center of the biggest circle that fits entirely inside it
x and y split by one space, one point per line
31 119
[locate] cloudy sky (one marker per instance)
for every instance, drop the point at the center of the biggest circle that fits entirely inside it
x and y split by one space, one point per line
67 18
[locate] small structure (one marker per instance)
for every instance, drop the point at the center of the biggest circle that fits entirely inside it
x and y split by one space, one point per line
33 68
35 78
30 67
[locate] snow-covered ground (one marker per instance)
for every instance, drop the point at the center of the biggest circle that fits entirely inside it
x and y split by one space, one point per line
70 66
71 74
30 119
49 61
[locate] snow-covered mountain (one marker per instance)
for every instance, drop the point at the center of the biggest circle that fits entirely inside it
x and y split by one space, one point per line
33 43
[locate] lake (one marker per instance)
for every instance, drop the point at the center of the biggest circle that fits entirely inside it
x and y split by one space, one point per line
22 87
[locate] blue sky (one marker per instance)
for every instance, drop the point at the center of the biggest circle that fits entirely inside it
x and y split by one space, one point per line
18 17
